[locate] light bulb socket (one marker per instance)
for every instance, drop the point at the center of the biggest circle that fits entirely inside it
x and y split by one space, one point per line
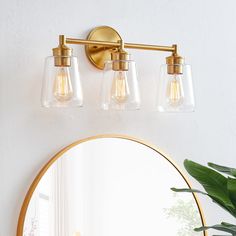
119 59
62 54
175 64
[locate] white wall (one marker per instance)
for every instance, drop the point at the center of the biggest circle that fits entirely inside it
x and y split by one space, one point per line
30 135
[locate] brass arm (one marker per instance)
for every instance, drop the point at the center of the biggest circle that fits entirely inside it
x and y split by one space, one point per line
103 42
172 48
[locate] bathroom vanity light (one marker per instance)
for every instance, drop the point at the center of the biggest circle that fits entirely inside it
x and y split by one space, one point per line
105 49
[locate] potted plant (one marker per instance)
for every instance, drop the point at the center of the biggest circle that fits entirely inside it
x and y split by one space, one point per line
221 188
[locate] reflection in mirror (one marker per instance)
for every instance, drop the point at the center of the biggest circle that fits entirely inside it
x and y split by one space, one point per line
111 187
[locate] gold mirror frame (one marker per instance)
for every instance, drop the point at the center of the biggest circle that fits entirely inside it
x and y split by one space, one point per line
34 184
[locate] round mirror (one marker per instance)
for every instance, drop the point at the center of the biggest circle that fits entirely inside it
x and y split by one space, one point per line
109 186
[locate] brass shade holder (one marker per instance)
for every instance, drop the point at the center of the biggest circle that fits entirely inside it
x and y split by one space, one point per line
105 43
174 64
120 58
62 53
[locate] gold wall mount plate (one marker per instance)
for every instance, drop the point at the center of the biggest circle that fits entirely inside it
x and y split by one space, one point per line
97 55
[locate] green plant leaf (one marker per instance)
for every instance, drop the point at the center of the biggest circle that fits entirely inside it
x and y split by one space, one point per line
187 190
217 201
222 234
220 203
214 183
231 186
225 227
223 169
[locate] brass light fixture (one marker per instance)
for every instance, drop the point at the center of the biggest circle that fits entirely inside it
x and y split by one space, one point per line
105 49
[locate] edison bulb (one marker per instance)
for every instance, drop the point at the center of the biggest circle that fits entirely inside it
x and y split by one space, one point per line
174 93
62 89
120 88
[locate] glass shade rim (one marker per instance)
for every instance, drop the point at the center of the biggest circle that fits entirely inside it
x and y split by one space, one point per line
162 110
65 106
137 108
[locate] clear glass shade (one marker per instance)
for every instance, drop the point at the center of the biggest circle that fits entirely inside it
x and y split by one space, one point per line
175 91
120 89
61 85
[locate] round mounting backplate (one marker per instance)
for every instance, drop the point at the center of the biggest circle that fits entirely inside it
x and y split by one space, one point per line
97 55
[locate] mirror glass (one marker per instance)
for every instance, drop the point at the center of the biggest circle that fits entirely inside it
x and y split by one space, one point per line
111 187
